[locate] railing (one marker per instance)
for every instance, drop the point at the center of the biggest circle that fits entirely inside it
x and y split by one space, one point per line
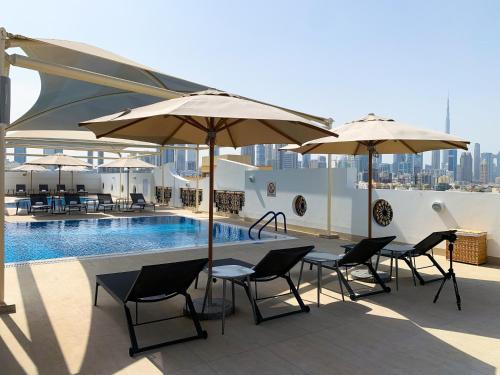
274 216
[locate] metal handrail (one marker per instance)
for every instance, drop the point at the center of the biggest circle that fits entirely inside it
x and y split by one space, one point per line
273 217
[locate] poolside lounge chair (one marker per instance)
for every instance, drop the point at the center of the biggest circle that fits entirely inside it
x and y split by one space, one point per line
360 255
80 189
424 248
277 264
20 190
39 202
60 188
139 201
72 202
43 189
153 284
105 201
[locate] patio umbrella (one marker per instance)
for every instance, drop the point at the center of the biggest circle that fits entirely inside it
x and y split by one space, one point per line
373 134
59 160
127 163
209 117
31 169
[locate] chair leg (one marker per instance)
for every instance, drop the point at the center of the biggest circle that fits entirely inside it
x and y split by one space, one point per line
194 316
95 294
378 279
340 282
133 338
300 274
296 294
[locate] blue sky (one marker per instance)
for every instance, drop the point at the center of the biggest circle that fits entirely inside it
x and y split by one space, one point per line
337 59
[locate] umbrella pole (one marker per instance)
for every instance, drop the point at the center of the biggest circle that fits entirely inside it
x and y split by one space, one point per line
370 172
211 205
197 209
31 182
59 167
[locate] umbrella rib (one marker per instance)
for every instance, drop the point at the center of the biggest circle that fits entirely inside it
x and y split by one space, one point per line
119 128
173 133
408 146
227 126
231 137
313 148
189 120
220 123
455 145
279 132
357 148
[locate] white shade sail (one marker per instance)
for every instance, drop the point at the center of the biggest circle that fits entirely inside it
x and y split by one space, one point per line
89 88
127 163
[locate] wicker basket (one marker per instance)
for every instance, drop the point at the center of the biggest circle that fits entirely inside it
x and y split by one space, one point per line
470 247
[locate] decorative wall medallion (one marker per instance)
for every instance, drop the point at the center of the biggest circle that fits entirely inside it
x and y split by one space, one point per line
382 212
271 189
300 205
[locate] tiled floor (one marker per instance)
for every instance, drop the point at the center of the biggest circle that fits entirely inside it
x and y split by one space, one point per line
56 329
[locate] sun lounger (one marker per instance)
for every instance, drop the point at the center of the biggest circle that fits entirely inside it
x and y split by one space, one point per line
276 265
43 189
80 189
105 201
60 189
153 284
72 202
139 201
20 190
39 202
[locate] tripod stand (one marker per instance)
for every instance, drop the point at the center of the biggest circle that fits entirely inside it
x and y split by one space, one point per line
450 275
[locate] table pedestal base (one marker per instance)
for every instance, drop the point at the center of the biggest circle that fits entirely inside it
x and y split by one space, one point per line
213 311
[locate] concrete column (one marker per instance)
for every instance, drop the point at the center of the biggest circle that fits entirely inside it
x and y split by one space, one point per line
4 121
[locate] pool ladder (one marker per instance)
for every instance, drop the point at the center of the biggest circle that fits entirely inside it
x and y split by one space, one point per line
274 216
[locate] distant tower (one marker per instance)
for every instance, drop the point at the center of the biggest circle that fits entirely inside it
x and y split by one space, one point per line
250 152
451 155
260 155
477 162
444 159
436 159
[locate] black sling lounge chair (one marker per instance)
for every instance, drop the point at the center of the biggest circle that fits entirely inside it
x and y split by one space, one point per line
423 248
153 284
139 201
20 190
39 202
43 189
105 201
80 189
73 202
60 189
277 264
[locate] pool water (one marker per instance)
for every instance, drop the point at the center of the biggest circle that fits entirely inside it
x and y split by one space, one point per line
90 237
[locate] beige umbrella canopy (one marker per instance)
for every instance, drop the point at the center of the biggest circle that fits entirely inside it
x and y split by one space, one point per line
208 117
373 134
31 169
59 160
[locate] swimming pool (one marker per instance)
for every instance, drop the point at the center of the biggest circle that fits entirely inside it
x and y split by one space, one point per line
94 237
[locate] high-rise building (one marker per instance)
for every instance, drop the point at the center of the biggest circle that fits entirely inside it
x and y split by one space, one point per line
465 167
191 160
168 156
100 155
90 158
260 155
289 160
483 172
269 152
452 162
52 151
396 163
487 157
180 159
249 151
322 161
216 151
306 161
444 159
477 161
20 155
436 159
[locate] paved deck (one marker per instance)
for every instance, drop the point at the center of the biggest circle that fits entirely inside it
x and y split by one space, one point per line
58 331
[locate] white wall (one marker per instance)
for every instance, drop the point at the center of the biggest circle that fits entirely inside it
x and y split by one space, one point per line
110 183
